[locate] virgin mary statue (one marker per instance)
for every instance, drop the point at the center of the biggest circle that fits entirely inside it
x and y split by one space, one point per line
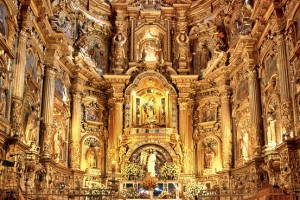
151 164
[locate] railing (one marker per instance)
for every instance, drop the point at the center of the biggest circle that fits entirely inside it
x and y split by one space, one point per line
78 194
217 194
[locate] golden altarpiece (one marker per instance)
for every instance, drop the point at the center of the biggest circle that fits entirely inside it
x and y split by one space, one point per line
89 88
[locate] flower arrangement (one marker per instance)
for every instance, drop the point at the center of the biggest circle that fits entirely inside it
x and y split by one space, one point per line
165 195
133 169
149 183
193 189
169 171
128 193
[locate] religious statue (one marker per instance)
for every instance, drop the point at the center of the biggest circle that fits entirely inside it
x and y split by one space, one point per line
144 54
244 141
209 156
97 56
271 132
204 57
148 108
151 164
122 152
91 157
32 125
57 145
182 40
144 156
119 41
176 145
2 94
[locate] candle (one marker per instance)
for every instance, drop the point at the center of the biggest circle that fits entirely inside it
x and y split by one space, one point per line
113 165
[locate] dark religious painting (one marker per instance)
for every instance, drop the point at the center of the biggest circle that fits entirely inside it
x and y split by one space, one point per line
271 68
92 112
243 91
2 20
31 65
297 19
59 89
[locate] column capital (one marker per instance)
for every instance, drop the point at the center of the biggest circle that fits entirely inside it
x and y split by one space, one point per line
225 93
50 70
252 73
118 100
183 100
76 93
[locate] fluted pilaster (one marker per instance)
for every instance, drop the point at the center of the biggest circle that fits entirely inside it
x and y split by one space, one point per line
285 94
226 128
118 119
47 110
116 127
183 120
76 129
255 112
18 85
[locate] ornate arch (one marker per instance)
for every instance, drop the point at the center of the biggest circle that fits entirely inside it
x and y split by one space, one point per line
273 118
143 33
92 152
168 149
151 74
202 145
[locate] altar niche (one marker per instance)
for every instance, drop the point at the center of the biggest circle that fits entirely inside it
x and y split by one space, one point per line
151 157
149 104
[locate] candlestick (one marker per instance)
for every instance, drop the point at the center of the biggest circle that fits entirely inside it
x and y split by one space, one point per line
113 169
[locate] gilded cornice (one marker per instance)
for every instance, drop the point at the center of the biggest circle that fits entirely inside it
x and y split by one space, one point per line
199 11
186 80
44 27
93 13
119 79
260 9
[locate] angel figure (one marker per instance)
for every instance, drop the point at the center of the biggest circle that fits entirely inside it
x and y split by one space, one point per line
119 41
182 40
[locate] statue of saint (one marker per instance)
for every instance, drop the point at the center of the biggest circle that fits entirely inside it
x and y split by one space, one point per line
144 156
97 56
151 164
271 132
175 142
244 141
119 41
148 108
204 57
32 125
91 157
209 156
57 144
2 95
122 152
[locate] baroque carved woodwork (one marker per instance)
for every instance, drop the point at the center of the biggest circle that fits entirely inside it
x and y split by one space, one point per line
89 87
